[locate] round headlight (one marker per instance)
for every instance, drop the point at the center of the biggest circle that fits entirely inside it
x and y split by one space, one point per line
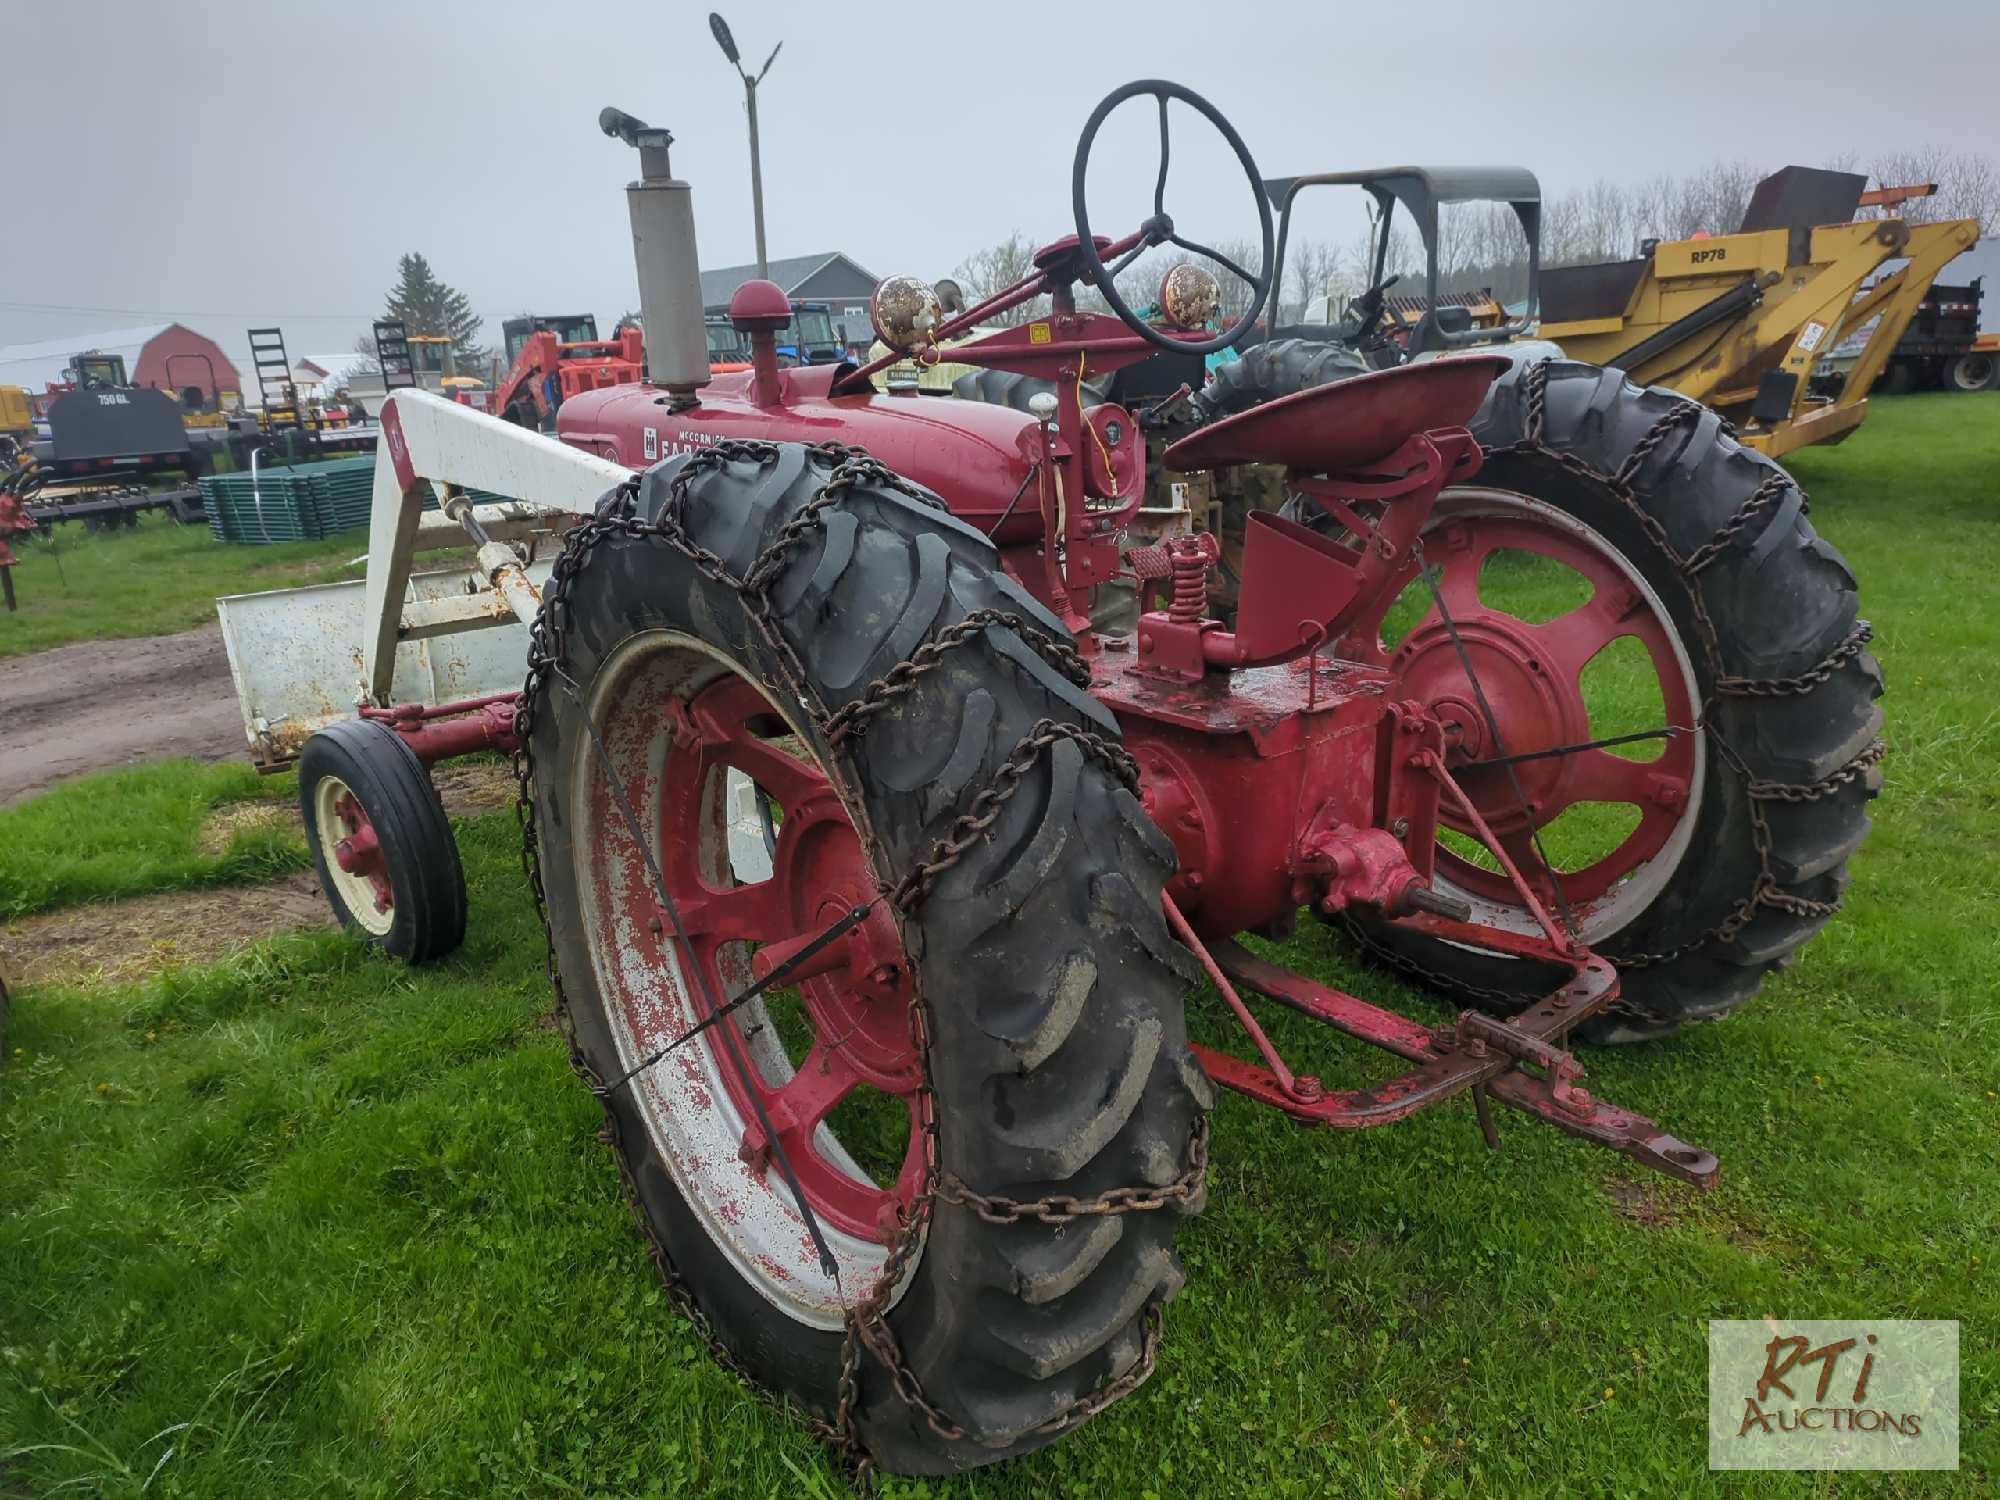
1189 296
904 311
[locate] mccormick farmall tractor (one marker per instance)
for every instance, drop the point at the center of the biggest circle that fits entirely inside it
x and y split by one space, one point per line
876 877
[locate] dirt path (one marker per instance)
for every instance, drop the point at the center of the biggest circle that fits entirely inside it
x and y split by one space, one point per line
115 942
102 704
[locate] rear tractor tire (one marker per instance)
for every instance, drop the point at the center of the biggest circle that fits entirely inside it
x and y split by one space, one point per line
1050 988
381 843
1741 827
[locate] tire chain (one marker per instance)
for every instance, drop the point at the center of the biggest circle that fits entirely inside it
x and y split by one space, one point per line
851 718
1766 891
867 1325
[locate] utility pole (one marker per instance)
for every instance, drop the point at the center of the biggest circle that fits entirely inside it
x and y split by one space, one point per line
728 45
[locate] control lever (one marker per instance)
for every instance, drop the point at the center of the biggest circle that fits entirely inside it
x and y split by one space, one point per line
1178 407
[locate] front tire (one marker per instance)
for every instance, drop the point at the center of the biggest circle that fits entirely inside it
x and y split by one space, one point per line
1057 1050
381 843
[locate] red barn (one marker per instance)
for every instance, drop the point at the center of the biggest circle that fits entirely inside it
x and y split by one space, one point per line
168 356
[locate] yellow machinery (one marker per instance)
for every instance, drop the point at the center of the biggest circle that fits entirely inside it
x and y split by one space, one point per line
16 420
1740 321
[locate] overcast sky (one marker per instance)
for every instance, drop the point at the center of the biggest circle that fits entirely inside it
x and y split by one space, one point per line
230 164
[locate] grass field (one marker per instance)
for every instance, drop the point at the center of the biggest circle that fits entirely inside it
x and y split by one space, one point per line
157 578
305 1223
125 833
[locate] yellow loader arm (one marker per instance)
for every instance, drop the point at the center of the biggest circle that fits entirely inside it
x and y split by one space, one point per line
1739 322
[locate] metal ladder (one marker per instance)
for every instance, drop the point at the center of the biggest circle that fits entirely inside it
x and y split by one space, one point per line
273 368
392 353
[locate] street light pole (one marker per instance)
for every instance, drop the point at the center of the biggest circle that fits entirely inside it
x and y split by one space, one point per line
727 43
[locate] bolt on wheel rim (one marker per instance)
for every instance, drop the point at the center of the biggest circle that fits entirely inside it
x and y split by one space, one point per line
1532 674
760 855
356 863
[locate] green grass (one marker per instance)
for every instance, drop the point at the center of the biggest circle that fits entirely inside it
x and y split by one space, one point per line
127 833
155 579
352 1225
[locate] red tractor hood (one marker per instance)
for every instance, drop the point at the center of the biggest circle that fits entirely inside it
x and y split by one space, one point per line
976 456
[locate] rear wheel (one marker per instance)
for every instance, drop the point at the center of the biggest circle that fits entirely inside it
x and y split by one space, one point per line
1978 370
1036 963
1635 570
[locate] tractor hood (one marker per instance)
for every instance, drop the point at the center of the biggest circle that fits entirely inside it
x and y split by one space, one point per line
976 456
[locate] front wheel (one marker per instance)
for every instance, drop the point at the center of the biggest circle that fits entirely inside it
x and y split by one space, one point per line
380 840
721 778
1622 567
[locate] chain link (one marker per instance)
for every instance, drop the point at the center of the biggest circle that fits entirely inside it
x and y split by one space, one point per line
1827 785
1775 484
1805 682
984 809
1766 890
852 718
1062 1208
867 1325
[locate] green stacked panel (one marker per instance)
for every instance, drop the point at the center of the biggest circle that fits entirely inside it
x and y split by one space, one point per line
295 502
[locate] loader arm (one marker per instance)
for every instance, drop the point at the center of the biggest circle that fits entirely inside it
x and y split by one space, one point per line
1898 296
1782 303
428 442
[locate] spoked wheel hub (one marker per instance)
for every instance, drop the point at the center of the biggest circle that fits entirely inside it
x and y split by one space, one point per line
760 857
1527 681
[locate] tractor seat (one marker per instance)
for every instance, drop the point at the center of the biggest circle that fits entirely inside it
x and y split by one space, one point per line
1348 426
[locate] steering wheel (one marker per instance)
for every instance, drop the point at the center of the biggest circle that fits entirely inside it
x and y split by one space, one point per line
1159 229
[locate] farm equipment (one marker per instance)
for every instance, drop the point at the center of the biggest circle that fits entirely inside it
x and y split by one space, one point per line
14 522
17 420
108 442
1941 348
875 877
1741 322
808 338
553 359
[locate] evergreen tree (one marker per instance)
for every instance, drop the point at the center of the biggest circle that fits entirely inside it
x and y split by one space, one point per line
430 306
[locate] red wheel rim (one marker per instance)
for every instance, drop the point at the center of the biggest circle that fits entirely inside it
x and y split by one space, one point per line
359 851
687 741
855 992
1531 677
355 861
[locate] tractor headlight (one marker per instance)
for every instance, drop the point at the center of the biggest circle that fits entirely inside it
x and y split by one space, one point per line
905 312
1189 296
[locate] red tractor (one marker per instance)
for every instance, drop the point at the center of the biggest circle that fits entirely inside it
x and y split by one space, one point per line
876 876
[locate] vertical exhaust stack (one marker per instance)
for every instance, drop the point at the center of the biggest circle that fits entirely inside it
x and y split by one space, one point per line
663 251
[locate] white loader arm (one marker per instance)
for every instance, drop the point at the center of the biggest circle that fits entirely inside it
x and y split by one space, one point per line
428 441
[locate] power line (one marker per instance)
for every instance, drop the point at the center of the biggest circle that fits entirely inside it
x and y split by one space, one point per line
154 312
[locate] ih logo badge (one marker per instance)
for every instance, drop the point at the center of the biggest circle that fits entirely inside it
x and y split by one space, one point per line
1826 1394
